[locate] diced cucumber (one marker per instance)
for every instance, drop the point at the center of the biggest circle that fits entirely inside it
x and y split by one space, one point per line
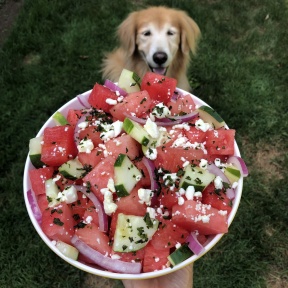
232 173
72 169
60 119
197 177
133 232
150 150
35 148
129 81
209 115
136 131
52 191
180 255
126 175
67 250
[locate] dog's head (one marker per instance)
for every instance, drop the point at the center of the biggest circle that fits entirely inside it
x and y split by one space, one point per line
158 34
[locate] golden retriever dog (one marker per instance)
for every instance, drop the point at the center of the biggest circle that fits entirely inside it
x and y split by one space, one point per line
157 39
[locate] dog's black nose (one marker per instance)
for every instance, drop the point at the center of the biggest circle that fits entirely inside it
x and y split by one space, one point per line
160 57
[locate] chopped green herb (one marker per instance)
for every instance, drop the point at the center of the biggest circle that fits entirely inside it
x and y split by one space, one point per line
58 222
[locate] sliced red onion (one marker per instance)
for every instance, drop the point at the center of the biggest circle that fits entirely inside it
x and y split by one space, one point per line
151 168
136 119
239 163
34 206
212 168
194 244
105 262
185 118
103 218
230 193
162 122
115 88
83 100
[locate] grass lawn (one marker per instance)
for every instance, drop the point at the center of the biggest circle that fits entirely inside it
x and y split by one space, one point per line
54 52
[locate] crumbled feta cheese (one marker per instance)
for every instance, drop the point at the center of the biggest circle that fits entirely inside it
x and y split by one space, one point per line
85 145
152 212
189 194
138 177
61 197
201 125
198 194
184 126
160 111
55 179
111 101
181 200
178 245
218 182
217 162
186 163
109 206
88 220
203 164
222 212
71 195
120 98
205 218
156 259
83 125
110 185
145 196
151 153
180 142
181 191
111 130
170 178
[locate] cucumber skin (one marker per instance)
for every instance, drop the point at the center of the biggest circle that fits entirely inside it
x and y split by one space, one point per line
212 114
232 174
126 78
180 255
60 119
185 185
64 170
67 175
119 160
35 148
36 160
129 125
192 174
121 191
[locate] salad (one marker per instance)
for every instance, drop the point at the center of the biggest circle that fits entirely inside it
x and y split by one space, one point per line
136 180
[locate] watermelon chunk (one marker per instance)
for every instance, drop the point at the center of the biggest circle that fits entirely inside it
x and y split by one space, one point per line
159 87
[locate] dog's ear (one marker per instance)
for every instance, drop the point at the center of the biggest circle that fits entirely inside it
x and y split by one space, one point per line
127 33
190 34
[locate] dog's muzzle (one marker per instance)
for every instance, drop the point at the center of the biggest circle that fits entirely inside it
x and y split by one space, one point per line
159 59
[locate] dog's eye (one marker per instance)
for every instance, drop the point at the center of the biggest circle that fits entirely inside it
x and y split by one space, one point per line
170 33
147 33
